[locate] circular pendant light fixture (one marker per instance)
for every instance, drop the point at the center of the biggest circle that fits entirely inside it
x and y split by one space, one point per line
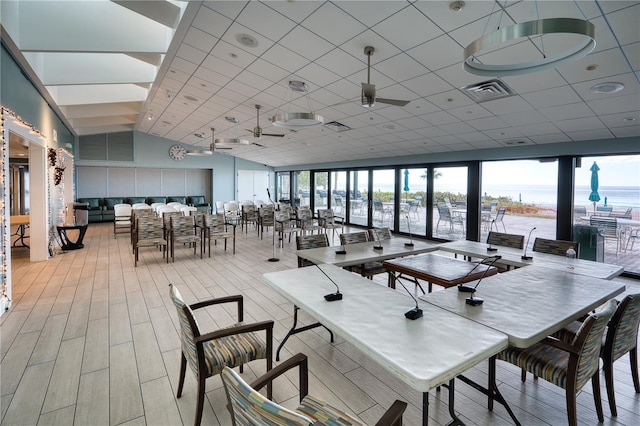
298 120
537 28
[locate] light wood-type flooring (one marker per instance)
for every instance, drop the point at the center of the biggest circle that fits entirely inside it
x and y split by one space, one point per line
92 340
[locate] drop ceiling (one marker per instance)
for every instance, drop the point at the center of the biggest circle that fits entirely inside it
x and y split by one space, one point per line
176 69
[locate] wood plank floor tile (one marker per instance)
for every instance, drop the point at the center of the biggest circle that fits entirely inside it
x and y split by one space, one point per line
78 319
119 326
137 308
148 356
28 398
62 416
49 342
15 361
63 387
92 407
96 348
125 398
159 404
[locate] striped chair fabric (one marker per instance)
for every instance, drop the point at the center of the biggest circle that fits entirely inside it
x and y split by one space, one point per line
149 233
621 338
379 233
557 247
285 224
182 230
505 240
249 215
249 408
307 221
213 228
266 217
368 269
327 220
228 347
554 362
305 242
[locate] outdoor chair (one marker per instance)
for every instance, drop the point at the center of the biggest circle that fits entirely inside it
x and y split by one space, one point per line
633 236
621 337
625 215
248 407
579 212
149 233
444 215
327 220
568 365
209 352
121 218
499 219
608 228
182 230
381 211
604 210
557 247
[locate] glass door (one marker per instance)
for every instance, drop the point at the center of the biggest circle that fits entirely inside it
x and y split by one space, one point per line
450 203
414 190
359 197
321 192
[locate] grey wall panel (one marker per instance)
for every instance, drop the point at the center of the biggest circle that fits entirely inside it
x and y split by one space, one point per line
199 183
173 182
121 181
91 182
148 182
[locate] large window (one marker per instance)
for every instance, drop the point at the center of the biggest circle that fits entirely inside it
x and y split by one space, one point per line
414 192
359 192
518 196
606 212
339 193
302 188
450 203
384 184
321 190
283 187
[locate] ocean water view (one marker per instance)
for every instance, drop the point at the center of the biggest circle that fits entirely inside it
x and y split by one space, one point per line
617 196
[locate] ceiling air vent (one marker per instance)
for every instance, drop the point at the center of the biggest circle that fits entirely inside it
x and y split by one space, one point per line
338 127
488 90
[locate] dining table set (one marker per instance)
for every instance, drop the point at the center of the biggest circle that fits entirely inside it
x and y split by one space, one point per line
429 339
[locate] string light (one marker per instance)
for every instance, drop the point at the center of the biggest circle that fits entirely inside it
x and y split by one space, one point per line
4 230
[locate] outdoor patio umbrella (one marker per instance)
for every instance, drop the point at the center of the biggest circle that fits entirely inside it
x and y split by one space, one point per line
406 182
594 196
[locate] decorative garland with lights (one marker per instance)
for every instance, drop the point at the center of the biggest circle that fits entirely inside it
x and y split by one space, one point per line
4 230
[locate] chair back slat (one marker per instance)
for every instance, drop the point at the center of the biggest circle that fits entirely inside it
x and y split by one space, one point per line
505 240
557 247
354 237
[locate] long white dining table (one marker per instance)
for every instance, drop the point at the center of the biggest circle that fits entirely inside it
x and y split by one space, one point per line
359 253
512 257
424 353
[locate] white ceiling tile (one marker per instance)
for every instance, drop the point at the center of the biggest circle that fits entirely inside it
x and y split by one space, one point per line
438 53
342 63
450 99
427 84
503 134
439 118
383 49
236 32
609 62
629 80
191 54
611 105
551 97
221 66
632 53
533 82
343 26
566 112
211 22
550 138
439 12
473 137
394 28
230 9
487 123
306 44
507 105
625 24
317 74
297 11
470 112
531 130
399 68
523 118
285 58
584 135
578 124
265 20
622 119
371 15
626 132
456 76
230 53
200 40
455 128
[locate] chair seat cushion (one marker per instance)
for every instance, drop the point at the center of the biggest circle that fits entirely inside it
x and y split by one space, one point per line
324 414
233 351
186 239
151 242
546 362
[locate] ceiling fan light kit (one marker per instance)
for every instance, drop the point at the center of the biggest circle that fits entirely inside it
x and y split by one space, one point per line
368 96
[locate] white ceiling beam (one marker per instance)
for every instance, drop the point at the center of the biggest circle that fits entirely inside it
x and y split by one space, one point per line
95 94
96 110
162 12
104 121
104 129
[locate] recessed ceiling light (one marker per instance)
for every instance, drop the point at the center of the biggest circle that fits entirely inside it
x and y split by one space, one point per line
591 67
610 87
456 6
191 98
233 55
247 40
389 126
629 119
232 120
199 135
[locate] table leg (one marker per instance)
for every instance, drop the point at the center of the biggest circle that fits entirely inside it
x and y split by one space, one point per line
455 420
425 408
295 330
234 239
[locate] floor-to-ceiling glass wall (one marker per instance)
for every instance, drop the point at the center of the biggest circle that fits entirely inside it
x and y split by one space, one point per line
606 213
518 196
283 186
321 180
359 192
339 193
414 192
384 184
450 203
302 187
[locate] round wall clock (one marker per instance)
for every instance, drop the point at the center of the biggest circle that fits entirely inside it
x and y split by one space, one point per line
177 152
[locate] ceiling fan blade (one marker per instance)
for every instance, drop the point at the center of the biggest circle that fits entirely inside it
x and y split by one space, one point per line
258 144
396 102
277 135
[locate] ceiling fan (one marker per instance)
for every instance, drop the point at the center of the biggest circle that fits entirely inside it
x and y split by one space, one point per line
257 131
230 143
368 98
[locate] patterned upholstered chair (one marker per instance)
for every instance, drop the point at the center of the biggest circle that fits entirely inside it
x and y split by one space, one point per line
149 233
266 218
327 220
214 229
305 242
368 269
249 215
207 354
505 240
135 215
557 247
307 222
621 337
568 365
381 234
285 225
249 408
182 230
